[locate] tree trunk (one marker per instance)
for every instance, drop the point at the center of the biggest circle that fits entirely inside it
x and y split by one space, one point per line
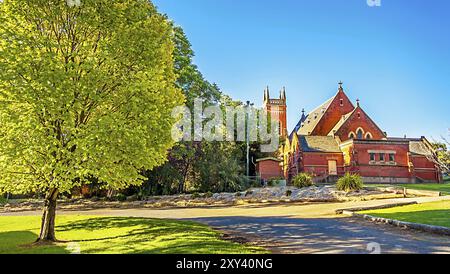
48 217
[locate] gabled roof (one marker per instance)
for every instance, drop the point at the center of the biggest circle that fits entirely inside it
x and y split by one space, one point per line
346 117
313 118
269 159
315 122
341 122
325 144
420 147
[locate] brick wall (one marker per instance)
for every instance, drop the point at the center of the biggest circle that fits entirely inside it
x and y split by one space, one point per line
268 169
317 163
424 169
362 164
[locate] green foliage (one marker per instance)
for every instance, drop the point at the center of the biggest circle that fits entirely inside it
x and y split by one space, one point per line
443 154
197 166
3 200
303 180
274 181
349 183
85 91
120 197
288 193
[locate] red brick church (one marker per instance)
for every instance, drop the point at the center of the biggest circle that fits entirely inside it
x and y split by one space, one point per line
339 137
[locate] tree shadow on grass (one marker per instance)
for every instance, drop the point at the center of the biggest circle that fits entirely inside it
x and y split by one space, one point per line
143 235
21 242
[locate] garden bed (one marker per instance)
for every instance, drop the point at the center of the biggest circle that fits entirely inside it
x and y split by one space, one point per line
251 196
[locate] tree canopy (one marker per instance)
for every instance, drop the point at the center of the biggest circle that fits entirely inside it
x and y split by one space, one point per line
85 91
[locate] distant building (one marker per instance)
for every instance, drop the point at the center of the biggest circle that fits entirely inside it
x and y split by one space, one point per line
339 137
277 109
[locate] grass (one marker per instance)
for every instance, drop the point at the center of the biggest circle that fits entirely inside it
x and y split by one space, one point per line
435 213
444 188
117 235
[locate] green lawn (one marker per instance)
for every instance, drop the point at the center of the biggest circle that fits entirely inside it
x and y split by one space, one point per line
118 236
444 188
436 213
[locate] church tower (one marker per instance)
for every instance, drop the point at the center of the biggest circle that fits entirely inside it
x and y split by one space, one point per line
277 109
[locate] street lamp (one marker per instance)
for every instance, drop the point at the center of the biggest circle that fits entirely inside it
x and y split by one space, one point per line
248 138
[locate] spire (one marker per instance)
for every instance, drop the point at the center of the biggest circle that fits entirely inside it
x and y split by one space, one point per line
303 115
283 94
266 94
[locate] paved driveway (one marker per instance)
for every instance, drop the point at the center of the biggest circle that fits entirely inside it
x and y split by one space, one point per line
329 235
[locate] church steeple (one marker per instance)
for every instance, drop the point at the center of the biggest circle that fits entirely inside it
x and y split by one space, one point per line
283 94
266 94
277 107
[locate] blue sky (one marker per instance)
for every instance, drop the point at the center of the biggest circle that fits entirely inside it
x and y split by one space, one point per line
395 58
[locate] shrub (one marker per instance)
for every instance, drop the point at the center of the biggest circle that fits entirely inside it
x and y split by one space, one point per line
208 194
274 181
120 197
303 180
196 195
350 182
288 193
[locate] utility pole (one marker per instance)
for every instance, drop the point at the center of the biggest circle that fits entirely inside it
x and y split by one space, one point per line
248 137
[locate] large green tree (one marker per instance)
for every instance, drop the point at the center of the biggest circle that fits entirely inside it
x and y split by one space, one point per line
197 165
85 91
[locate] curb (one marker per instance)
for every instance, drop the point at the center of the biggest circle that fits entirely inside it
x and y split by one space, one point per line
441 230
347 210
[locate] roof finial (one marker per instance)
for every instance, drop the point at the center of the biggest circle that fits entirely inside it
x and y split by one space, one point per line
340 86
357 102
303 111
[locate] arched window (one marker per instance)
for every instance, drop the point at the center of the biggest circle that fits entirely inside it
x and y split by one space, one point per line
369 136
351 135
359 134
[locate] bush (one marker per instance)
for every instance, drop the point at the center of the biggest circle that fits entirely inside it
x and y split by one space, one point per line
288 193
274 181
196 195
349 183
3 200
303 180
120 197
